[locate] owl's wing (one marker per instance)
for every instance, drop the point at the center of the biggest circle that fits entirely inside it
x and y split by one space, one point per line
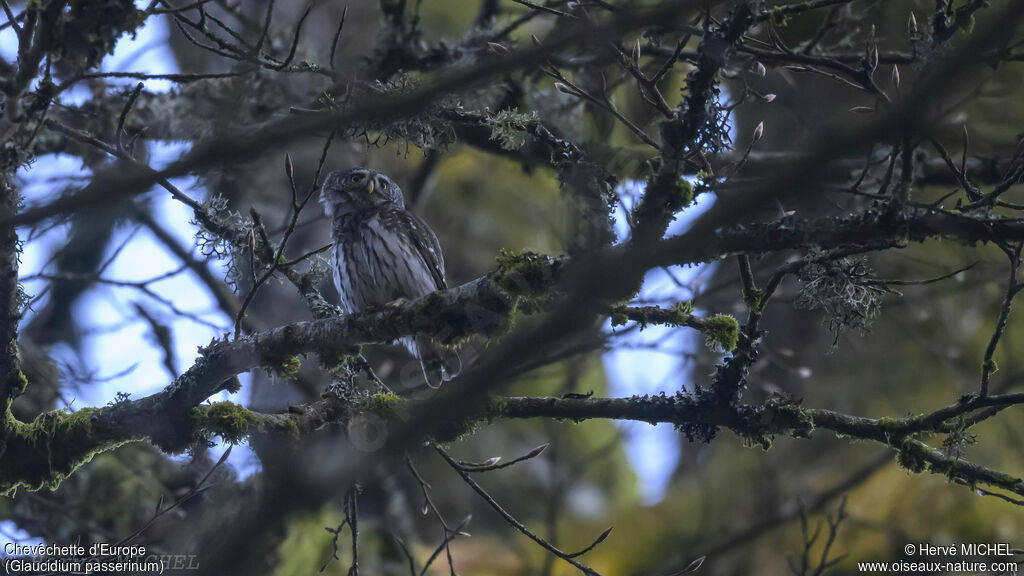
423 241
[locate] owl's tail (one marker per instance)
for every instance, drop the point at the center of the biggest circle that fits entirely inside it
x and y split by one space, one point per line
439 364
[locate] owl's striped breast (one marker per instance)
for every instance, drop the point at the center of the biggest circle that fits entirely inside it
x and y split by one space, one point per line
375 263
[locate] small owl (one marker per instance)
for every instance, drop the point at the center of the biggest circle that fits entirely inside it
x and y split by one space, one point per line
383 252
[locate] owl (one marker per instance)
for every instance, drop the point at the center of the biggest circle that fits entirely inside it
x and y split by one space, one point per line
383 252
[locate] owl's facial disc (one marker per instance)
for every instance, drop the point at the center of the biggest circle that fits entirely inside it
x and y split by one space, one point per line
358 189
374 185
379 184
378 189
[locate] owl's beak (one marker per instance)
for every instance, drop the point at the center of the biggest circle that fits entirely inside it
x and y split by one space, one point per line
370 186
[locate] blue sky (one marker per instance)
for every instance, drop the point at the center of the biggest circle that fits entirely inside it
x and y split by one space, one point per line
653 360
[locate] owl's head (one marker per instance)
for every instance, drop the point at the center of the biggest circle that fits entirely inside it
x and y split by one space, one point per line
358 189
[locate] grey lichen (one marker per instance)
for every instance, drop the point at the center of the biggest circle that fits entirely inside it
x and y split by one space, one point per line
221 231
842 289
508 128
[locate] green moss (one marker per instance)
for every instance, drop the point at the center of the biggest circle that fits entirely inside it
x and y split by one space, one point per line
721 331
290 367
286 367
678 195
495 408
290 427
234 423
332 359
42 453
524 273
21 383
891 425
225 419
991 367
909 458
755 299
778 415
384 403
777 17
641 316
685 192
680 314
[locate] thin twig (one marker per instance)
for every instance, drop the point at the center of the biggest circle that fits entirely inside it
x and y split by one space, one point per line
337 35
511 519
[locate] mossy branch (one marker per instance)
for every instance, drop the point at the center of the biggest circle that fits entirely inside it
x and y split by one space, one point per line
37 456
40 454
721 331
756 425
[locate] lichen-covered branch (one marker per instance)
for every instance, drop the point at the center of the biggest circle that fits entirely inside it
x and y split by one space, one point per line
12 380
695 128
759 424
720 330
481 307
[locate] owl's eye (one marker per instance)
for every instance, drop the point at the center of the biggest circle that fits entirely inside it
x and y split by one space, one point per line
355 179
383 185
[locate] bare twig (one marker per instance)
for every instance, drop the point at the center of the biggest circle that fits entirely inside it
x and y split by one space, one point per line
516 523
